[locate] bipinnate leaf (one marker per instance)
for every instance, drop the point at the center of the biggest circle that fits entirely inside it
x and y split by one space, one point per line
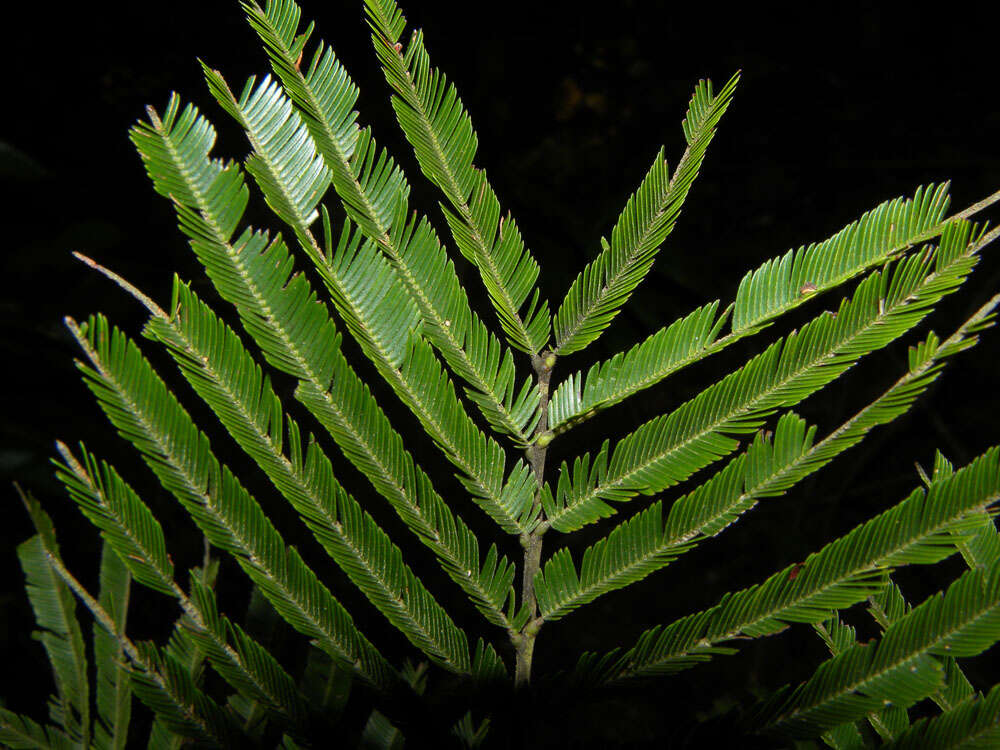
769 468
296 335
375 307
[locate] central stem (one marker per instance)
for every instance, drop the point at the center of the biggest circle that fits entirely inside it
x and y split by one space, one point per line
524 642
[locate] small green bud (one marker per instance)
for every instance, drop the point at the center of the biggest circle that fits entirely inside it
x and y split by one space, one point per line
544 439
550 361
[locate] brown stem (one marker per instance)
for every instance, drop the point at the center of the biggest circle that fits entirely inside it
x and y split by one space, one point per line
524 642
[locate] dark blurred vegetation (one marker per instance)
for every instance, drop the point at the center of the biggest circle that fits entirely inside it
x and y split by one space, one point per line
837 111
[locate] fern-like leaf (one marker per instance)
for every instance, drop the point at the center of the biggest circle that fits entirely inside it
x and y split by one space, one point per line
214 361
649 541
125 522
130 529
922 529
670 448
375 307
679 646
138 403
598 293
877 236
297 336
165 687
436 124
777 285
374 193
114 697
239 659
900 669
684 341
59 630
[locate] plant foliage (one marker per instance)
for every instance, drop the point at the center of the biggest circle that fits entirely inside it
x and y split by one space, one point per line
354 257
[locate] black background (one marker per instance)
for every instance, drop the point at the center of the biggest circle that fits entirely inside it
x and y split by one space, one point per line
839 108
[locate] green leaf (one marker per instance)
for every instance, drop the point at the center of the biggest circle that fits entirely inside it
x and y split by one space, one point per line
165 687
781 283
648 541
598 293
164 682
899 670
973 724
239 659
374 193
114 696
137 539
436 124
881 234
668 449
125 522
374 305
59 630
139 404
684 341
887 607
214 361
297 336
923 529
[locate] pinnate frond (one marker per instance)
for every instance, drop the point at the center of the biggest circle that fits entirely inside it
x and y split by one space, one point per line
899 669
877 236
138 403
922 529
777 285
166 687
214 361
768 468
374 306
125 521
684 341
670 448
297 336
438 127
973 724
712 513
59 630
605 284
374 193
649 541
239 659
130 529
255 273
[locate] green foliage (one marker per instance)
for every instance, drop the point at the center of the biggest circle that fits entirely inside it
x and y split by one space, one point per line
388 278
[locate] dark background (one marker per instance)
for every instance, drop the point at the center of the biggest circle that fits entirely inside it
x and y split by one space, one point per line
840 107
